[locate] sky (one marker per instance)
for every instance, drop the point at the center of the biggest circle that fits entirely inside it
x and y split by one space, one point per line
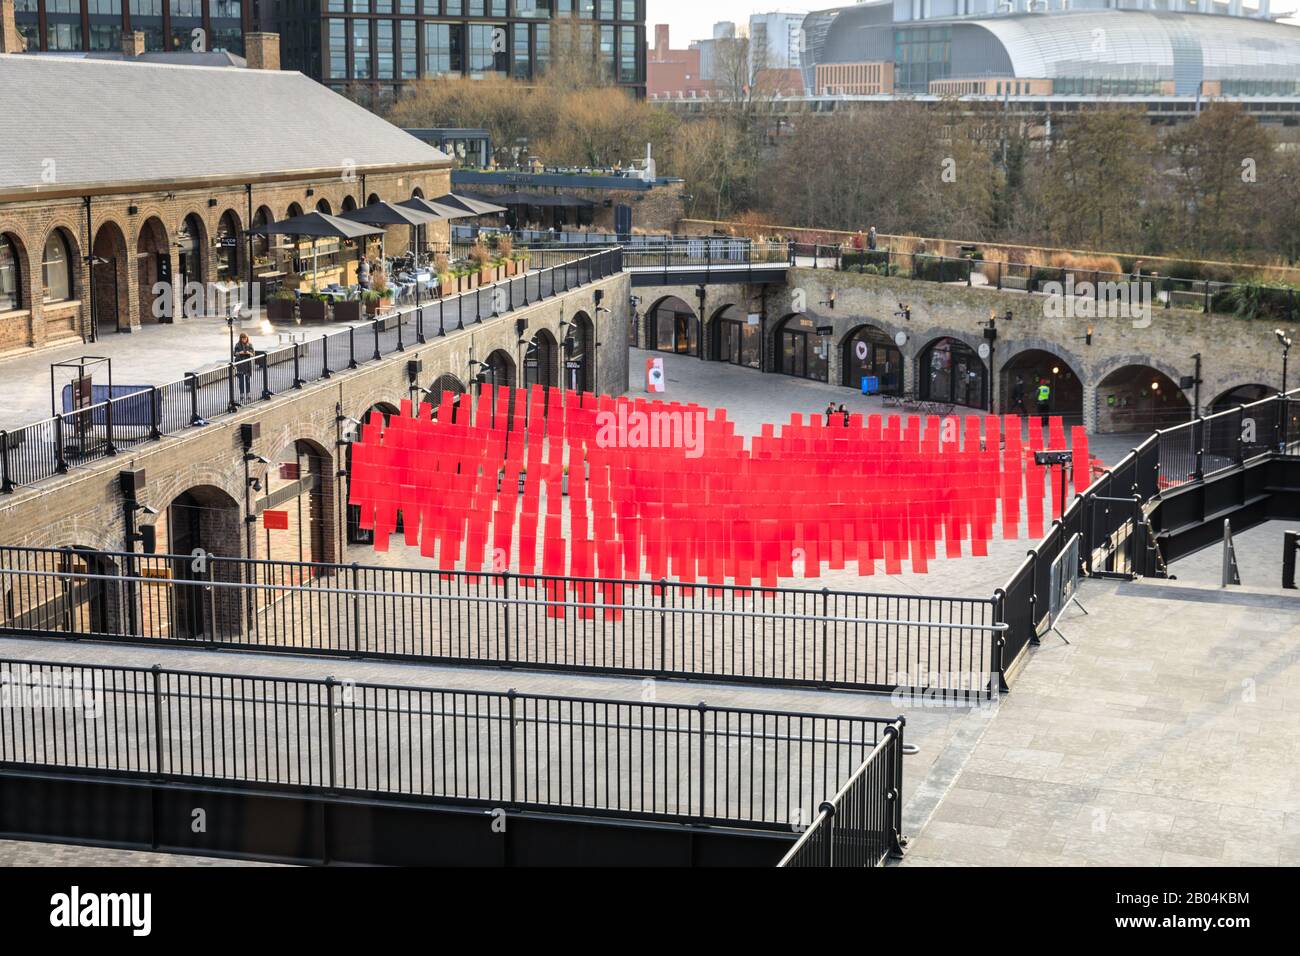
694 19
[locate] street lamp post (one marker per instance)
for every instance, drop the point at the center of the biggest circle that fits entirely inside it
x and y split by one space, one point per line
1285 341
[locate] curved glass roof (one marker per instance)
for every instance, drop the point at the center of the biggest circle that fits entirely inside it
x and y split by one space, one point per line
1128 42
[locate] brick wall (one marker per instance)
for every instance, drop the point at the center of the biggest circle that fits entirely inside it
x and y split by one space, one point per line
118 232
85 507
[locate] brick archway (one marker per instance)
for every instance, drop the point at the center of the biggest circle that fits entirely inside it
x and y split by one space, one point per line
112 275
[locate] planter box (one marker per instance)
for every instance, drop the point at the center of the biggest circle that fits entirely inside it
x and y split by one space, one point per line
280 310
349 311
311 310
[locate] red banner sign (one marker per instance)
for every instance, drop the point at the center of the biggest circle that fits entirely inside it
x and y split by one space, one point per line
275 520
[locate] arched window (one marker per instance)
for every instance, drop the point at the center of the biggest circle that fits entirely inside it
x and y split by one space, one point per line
11 280
56 268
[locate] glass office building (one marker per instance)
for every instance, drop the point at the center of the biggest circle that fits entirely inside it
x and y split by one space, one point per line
366 48
93 26
381 44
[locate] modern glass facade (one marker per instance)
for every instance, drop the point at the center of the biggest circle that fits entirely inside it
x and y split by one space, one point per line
382 44
98 25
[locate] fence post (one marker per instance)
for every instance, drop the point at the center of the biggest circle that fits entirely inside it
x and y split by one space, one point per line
325 355
6 482
1198 443
511 694
505 587
60 460
356 611
1033 596
352 346
230 382
896 788
828 842
663 625
401 321
155 406
212 604
999 275
266 376
703 709
297 366
997 669
419 326
156 671
193 381
375 325
330 684
1206 307
825 636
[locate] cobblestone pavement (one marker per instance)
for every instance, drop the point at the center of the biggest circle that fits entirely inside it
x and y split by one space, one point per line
1259 558
1166 733
25 853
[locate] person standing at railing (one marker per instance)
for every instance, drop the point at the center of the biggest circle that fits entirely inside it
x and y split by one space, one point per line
243 358
871 239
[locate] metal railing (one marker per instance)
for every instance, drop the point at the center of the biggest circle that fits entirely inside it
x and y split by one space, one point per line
51 447
1110 515
862 825
947 647
681 763
1127 292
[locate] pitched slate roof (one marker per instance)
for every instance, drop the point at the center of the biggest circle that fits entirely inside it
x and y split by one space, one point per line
103 122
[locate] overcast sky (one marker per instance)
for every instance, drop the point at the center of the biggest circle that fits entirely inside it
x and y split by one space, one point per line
694 19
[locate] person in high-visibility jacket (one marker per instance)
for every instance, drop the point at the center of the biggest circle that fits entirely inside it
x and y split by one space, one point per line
1044 397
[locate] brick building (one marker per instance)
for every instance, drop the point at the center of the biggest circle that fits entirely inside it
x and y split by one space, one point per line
92 189
672 72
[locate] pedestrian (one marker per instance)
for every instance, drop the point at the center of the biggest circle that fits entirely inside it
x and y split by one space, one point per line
844 413
1044 397
871 239
830 413
1018 396
243 357
857 241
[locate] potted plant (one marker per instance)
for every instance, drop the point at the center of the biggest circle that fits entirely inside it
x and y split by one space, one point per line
348 310
481 257
313 307
442 269
371 298
279 308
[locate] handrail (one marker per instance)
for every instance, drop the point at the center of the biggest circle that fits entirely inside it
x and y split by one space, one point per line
197 399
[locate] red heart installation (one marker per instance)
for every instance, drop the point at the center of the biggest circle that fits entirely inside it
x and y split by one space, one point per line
660 490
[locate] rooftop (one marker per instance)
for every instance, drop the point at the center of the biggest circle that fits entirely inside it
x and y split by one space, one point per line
171 123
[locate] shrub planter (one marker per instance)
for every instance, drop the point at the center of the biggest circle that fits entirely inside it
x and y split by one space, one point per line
280 310
312 310
347 311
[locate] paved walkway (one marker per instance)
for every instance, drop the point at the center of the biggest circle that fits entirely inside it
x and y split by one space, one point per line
1165 734
24 853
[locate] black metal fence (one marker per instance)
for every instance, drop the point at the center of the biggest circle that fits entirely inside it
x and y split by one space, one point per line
1110 515
50 447
862 825
673 762
947 647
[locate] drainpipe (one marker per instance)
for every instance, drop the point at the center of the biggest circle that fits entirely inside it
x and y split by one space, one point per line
90 275
248 236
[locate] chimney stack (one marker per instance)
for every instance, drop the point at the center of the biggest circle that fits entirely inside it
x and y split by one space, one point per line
262 51
133 44
11 41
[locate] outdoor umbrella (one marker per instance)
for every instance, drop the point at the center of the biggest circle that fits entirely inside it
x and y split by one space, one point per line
475 207
317 225
389 214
